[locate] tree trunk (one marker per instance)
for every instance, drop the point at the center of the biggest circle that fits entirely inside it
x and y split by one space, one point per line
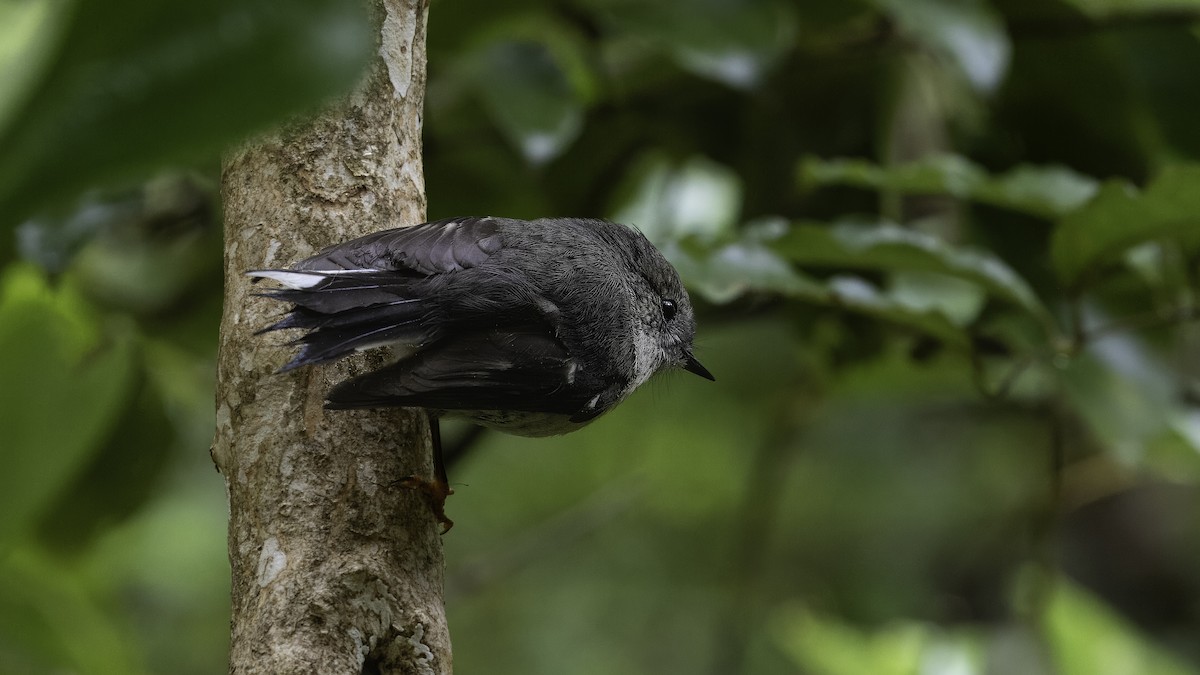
335 569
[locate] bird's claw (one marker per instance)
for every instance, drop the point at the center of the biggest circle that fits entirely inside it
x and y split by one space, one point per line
435 492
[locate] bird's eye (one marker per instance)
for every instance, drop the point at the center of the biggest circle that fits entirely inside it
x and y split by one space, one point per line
669 309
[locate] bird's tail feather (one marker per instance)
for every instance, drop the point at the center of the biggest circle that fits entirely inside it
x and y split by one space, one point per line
344 312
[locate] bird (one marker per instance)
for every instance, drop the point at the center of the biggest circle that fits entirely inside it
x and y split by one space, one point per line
533 328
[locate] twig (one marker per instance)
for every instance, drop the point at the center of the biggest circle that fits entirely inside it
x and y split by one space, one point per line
756 518
1004 387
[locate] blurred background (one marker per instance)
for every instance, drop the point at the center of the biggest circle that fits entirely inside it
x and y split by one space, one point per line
945 256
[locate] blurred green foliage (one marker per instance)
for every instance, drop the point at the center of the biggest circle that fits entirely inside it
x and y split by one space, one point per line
945 257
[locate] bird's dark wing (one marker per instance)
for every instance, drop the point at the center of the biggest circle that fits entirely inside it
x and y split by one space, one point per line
524 369
373 290
449 245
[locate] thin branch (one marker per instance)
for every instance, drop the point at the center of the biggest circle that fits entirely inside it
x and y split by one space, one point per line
1002 390
755 521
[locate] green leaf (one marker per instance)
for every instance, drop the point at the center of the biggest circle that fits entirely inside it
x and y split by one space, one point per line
861 296
1048 192
670 200
28 38
1040 190
895 249
61 394
1088 639
529 98
1124 393
826 646
734 270
1120 217
570 49
139 84
961 301
969 32
133 456
51 623
752 265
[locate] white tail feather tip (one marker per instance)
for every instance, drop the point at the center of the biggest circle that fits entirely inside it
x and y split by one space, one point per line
294 280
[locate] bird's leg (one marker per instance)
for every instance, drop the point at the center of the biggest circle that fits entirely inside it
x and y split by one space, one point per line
439 458
438 489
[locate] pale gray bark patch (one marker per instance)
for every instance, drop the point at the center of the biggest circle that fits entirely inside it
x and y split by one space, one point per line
334 568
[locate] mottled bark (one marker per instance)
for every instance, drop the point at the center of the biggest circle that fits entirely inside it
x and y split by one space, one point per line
335 569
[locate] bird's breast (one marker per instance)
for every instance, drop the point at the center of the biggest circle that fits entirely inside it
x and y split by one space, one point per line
646 353
518 423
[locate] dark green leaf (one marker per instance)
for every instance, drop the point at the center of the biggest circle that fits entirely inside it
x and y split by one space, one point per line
529 98
133 456
1048 192
1121 217
730 41
568 48
139 84
52 623
61 393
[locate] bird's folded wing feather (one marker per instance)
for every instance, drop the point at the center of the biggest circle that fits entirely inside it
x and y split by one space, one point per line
442 246
371 291
341 313
525 370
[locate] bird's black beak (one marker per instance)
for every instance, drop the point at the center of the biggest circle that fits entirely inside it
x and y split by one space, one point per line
691 365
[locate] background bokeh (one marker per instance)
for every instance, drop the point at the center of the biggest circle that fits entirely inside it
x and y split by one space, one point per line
945 257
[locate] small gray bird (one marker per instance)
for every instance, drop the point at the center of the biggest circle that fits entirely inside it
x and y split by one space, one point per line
532 328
